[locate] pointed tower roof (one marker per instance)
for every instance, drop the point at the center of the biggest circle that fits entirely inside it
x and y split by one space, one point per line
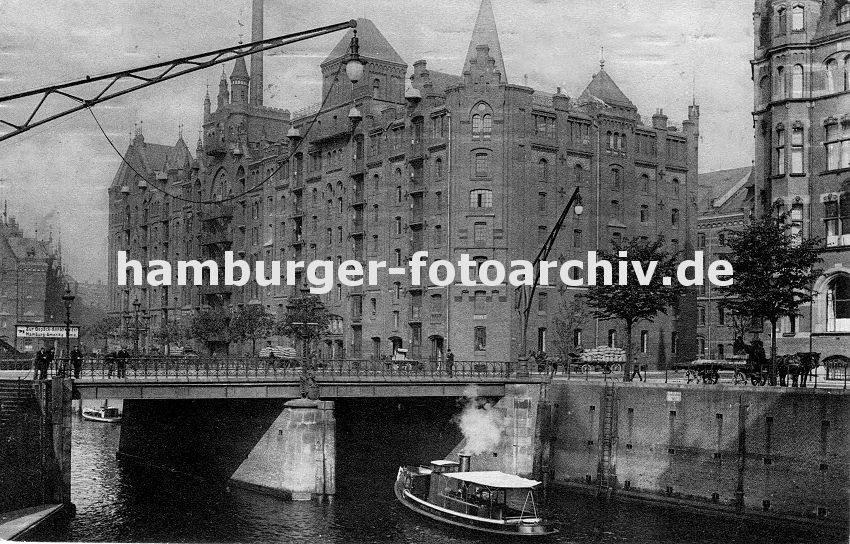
485 33
239 69
603 88
373 45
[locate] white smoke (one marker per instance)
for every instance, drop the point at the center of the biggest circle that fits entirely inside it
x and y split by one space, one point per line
480 422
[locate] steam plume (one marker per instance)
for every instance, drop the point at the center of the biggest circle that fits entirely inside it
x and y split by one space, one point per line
480 422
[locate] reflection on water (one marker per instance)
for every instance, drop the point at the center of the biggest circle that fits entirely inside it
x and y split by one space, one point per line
118 501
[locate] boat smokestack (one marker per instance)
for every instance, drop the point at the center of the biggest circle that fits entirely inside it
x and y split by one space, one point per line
464 461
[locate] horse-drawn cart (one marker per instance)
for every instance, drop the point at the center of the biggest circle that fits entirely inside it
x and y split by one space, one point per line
600 359
708 371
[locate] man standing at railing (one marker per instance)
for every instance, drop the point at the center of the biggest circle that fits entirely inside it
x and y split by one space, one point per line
39 364
450 362
76 361
121 362
48 358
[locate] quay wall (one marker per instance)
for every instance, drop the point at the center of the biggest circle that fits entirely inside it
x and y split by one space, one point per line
775 452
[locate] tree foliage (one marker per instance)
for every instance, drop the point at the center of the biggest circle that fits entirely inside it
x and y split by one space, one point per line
774 272
251 322
211 326
634 302
102 329
171 332
306 318
571 315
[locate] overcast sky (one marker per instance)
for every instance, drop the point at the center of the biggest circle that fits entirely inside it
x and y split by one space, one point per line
658 51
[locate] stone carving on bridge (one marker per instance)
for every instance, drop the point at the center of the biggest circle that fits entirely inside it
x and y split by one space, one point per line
307 385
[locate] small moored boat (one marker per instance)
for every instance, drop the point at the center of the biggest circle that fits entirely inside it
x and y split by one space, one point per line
488 501
103 414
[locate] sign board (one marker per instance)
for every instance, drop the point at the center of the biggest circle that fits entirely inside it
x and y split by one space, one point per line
674 396
45 330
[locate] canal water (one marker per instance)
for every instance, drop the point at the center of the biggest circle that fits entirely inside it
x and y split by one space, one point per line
120 501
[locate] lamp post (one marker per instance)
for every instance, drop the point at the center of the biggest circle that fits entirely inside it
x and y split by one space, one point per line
527 292
68 298
165 318
136 305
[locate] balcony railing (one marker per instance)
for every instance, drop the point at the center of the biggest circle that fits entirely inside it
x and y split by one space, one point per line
217 210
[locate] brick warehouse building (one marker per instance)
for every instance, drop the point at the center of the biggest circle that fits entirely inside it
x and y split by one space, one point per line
451 164
801 75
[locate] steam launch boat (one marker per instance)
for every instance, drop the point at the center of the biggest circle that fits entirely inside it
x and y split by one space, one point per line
488 501
104 414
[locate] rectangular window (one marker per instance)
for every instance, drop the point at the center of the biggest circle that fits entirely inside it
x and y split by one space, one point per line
721 315
481 198
541 340
780 152
644 341
576 238
644 214
480 339
674 342
395 319
482 164
480 234
478 308
542 303
541 202
542 234
797 221
797 148
576 338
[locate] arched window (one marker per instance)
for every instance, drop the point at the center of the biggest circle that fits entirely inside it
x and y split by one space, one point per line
578 173
612 338
780 83
676 186
616 178
622 143
644 182
438 168
782 25
832 77
376 179
797 82
487 127
798 19
838 304
376 88
476 127
543 170
610 140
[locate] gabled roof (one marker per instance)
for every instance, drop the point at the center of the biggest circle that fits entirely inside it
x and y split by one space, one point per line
150 158
373 45
442 81
723 191
603 88
486 33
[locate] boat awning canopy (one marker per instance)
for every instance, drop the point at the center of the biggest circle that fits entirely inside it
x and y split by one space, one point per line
492 478
444 463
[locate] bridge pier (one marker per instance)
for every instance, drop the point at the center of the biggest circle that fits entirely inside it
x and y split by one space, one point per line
296 457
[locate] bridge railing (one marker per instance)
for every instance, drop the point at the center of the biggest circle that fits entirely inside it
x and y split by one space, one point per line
211 368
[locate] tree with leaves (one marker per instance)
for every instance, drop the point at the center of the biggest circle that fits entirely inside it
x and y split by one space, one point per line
571 315
774 272
211 326
251 322
168 333
634 302
306 318
102 329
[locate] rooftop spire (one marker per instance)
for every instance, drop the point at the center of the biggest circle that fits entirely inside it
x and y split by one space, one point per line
602 59
486 33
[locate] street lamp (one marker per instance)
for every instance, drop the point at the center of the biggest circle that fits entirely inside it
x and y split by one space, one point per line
68 298
136 305
353 62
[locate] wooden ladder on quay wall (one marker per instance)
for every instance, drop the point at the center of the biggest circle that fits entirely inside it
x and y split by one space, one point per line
606 477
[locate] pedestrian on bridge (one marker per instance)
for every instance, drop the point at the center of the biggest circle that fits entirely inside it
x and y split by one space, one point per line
121 362
40 364
76 361
450 362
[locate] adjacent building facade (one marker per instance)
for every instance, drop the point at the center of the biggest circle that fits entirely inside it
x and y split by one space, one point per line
29 272
447 163
801 75
724 204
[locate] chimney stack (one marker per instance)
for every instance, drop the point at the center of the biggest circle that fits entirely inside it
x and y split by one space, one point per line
256 94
